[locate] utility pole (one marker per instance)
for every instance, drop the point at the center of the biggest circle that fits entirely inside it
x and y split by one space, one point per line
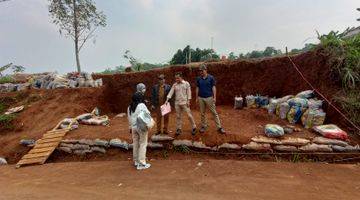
189 54
212 43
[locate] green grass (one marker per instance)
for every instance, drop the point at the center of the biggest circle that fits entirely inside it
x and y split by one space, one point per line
6 122
344 59
6 79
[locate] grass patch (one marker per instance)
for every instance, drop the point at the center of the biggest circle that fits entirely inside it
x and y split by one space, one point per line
6 79
6 122
344 58
182 149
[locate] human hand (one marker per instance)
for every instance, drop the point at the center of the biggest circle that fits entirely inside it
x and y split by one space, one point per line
188 103
214 100
152 107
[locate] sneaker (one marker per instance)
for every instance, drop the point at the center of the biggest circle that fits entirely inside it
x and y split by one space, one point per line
221 131
136 164
178 132
202 130
193 131
143 166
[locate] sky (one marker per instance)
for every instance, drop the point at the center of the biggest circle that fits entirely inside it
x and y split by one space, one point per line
153 30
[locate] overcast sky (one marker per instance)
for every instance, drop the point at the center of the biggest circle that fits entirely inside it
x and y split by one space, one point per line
153 30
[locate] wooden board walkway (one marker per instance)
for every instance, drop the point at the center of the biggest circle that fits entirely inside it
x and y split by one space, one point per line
44 147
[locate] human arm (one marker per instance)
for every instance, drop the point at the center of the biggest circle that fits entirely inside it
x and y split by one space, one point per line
214 92
129 118
197 94
188 93
168 97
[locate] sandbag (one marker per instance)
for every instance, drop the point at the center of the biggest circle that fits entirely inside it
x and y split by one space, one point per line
261 101
272 106
263 139
307 94
316 148
229 146
322 140
295 141
315 104
294 114
257 146
298 102
153 145
161 138
283 110
238 103
250 101
286 148
274 130
117 143
187 143
200 145
331 131
347 148
313 117
3 161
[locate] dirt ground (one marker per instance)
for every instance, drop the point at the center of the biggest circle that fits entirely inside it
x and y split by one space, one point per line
185 179
240 125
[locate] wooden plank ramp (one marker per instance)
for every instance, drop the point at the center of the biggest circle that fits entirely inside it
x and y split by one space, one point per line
43 148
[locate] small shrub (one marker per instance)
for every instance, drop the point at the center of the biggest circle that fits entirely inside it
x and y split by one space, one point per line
6 79
6 122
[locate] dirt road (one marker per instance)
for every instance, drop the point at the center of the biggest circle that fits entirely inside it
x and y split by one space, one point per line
185 179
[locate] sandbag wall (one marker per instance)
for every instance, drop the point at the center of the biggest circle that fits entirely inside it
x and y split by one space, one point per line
272 76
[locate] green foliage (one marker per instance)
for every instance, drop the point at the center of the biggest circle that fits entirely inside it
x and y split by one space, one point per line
268 52
197 55
18 68
308 47
350 103
6 79
6 122
344 57
77 19
182 149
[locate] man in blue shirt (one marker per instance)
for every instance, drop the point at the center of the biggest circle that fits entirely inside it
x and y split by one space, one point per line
206 97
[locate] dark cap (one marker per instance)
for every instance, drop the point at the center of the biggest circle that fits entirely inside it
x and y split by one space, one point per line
161 76
202 67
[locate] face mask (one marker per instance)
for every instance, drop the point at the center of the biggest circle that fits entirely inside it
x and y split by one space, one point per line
143 91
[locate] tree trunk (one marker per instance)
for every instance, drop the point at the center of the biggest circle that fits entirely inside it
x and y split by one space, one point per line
76 37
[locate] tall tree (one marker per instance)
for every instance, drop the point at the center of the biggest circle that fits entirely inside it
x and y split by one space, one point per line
77 19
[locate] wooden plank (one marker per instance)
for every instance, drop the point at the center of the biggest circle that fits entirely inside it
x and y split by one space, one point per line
59 130
48 140
37 155
54 135
40 150
30 161
52 144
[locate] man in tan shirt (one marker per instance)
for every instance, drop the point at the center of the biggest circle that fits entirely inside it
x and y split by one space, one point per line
182 91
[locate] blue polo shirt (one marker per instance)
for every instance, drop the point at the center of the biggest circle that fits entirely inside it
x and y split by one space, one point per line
205 86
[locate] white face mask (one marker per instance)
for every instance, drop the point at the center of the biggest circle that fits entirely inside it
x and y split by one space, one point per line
143 91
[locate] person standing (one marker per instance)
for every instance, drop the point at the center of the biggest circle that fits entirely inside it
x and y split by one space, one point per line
139 136
206 97
158 98
182 91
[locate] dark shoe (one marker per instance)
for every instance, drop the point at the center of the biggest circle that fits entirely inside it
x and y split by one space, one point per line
193 131
221 131
178 132
166 133
202 130
158 133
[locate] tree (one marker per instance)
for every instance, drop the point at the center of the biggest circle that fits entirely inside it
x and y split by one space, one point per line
135 63
77 19
197 55
17 68
232 56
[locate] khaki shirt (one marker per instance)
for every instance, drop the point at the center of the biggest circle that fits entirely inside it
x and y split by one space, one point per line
182 93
